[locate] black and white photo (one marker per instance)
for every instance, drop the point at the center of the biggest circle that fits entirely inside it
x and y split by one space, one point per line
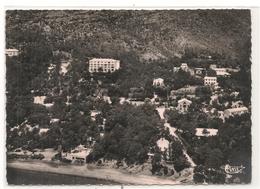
139 97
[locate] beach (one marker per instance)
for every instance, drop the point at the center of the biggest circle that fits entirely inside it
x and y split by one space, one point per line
27 177
106 174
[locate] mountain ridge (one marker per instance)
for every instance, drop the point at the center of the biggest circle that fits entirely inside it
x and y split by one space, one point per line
149 34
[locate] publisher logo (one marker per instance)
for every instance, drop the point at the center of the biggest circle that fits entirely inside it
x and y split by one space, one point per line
233 169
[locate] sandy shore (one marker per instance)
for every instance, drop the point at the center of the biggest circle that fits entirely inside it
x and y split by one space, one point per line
99 173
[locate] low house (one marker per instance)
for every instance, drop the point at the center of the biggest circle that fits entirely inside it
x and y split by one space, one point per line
212 81
150 157
219 71
221 115
41 100
187 90
212 66
237 104
183 105
199 71
206 132
64 66
78 155
94 113
107 99
11 52
235 111
136 103
158 82
214 98
176 69
184 67
163 144
234 94
233 69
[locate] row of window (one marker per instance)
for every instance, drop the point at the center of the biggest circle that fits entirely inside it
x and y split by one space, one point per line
99 62
105 66
105 63
220 70
212 80
12 53
104 70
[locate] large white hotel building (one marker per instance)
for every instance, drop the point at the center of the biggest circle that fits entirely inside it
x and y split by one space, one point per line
103 65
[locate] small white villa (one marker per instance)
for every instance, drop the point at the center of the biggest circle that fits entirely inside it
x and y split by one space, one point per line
159 82
11 52
183 105
235 111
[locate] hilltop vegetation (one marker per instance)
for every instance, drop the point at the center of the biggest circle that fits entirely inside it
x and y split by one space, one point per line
149 35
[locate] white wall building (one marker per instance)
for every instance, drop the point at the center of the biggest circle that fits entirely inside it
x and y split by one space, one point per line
212 66
93 114
235 111
183 105
237 104
11 52
210 81
221 72
221 115
78 155
199 71
184 67
103 65
206 132
158 82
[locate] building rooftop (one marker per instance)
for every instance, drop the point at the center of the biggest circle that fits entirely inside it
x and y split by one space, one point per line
104 59
210 77
11 49
237 109
161 79
209 132
184 100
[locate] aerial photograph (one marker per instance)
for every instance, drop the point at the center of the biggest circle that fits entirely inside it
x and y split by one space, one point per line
128 97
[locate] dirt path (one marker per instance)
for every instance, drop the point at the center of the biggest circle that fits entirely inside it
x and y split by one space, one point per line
161 111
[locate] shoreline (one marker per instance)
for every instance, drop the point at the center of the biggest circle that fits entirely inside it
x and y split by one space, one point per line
107 174
17 176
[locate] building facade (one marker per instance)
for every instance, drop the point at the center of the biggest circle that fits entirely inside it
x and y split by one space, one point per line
221 71
158 82
184 67
11 52
210 81
237 104
187 90
235 111
183 105
199 71
103 65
